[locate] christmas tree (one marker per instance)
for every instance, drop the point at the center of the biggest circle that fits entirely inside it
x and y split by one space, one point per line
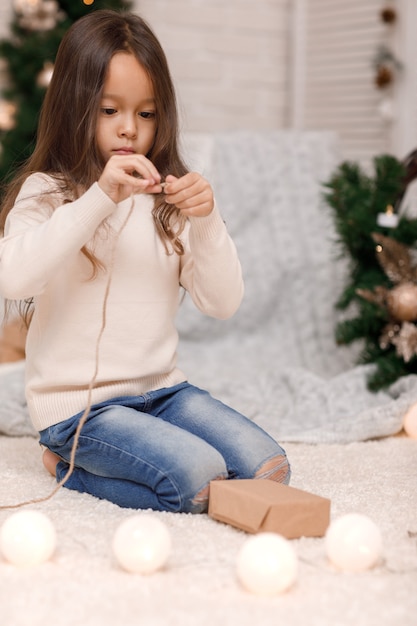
37 29
379 241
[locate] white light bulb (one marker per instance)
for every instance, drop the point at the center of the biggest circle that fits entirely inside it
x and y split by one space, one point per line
410 422
142 544
27 538
266 564
353 542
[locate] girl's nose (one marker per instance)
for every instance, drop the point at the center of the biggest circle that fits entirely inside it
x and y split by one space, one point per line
128 128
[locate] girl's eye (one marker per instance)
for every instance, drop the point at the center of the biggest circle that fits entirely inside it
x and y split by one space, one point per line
108 110
147 115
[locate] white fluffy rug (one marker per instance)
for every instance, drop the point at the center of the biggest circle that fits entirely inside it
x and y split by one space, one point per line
277 362
82 584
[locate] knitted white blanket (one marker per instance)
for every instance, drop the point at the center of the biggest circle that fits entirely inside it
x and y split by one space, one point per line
276 361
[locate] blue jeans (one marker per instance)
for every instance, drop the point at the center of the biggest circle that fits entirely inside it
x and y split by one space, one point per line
161 449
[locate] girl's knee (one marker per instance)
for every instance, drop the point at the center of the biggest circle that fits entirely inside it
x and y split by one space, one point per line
201 499
276 468
214 468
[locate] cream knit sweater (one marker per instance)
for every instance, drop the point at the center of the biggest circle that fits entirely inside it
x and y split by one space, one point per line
40 257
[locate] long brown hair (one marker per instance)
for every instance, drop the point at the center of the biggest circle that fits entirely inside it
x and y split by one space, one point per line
66 147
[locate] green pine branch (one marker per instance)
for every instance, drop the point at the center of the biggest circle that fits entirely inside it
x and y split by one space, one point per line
388 369
356 198
25 52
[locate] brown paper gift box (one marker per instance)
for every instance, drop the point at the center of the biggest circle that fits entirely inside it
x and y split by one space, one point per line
267 506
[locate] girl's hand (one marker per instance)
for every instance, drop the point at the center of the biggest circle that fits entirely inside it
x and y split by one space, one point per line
192 194
127 174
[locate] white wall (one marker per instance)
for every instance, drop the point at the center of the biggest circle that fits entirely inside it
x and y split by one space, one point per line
229 59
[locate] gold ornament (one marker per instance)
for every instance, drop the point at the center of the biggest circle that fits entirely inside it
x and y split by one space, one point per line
402 302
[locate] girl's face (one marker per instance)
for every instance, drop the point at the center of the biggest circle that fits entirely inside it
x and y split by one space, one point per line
127 118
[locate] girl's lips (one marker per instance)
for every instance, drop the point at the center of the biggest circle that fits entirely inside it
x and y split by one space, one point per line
124 151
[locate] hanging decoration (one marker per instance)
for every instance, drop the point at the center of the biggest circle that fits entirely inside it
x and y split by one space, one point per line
385 62
388 14
386 65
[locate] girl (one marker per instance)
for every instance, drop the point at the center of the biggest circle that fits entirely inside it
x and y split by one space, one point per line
102 228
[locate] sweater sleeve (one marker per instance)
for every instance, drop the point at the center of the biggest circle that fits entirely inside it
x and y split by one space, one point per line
39 238
211 271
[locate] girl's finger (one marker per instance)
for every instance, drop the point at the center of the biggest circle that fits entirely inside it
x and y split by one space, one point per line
189 202
184 188
198 210
155 188
136 165
175 185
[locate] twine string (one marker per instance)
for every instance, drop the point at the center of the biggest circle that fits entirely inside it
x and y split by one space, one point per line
87 409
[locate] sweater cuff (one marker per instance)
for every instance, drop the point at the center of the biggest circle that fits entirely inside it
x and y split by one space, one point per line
207 227
95 206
